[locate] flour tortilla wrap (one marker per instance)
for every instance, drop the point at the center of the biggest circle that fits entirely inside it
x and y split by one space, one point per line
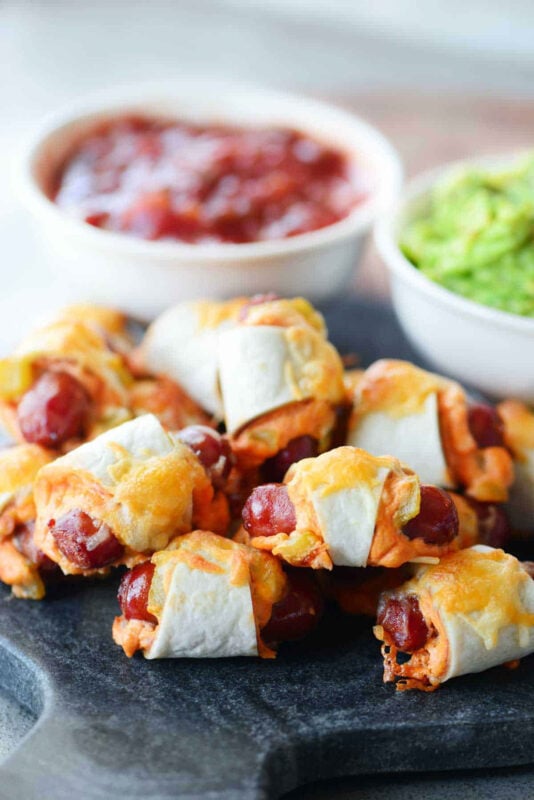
204 615
480 601
264 367
136 478
210 596
413 438
182 344
345 511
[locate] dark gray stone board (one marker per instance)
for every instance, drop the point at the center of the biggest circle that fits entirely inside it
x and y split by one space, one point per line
109 728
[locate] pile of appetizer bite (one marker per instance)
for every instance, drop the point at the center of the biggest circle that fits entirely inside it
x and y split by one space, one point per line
244 479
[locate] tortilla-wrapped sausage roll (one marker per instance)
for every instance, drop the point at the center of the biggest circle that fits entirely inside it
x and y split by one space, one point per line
127 492
280 379
518 421
181 344
21 562
63 385
263 365
349 508
426 421
472 611
282 385
207 597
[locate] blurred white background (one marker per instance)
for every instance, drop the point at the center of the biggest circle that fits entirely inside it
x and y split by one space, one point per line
53 52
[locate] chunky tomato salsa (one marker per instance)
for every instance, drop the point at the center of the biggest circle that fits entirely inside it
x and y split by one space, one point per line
160 180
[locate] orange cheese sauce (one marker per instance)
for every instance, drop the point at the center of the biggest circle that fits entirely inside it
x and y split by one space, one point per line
133 634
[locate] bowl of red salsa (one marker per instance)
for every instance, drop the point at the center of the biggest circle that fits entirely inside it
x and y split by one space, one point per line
151 196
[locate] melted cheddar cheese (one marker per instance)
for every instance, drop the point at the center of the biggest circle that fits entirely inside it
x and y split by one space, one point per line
352 379
102 318
397 388
19 466
484 586
286 313
212 314
19 573
343 469
74 342
337 470
132 634
314 368
145 500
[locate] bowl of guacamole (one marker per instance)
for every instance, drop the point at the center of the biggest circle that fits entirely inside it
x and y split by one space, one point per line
459 247
476 238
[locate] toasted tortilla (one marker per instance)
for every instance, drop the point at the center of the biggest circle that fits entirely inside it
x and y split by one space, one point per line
264 367
413 438
205 615
182 344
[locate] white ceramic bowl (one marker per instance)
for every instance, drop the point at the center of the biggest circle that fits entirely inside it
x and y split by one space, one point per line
143 277
489 349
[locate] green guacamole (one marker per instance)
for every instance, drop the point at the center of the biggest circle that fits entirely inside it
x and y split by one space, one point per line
477 239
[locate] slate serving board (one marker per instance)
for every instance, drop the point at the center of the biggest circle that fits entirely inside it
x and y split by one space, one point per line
109 728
